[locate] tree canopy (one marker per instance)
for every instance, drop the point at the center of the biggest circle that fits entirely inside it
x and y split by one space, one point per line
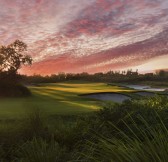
13 56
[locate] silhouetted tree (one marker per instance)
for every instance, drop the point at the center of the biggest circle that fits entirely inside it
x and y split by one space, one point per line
13 56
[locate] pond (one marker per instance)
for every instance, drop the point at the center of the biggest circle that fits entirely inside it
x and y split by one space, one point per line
146 88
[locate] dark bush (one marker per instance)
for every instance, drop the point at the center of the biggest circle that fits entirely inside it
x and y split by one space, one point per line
13 90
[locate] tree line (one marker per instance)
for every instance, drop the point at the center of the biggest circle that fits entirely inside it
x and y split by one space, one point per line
110 76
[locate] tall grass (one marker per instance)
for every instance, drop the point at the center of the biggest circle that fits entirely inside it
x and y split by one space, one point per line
39 150
39 139
147 144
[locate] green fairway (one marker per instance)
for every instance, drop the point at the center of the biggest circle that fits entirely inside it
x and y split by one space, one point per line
57 98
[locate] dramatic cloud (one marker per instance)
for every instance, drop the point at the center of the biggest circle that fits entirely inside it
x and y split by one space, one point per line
90 35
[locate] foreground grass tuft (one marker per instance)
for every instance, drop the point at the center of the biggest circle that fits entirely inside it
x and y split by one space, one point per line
39 150
151 146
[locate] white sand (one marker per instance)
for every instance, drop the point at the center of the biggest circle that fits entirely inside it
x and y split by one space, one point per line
115 97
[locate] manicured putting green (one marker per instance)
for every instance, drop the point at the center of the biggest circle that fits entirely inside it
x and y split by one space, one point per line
57 98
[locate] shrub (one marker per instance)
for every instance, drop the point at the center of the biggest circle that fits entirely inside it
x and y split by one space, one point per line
146 108
13 90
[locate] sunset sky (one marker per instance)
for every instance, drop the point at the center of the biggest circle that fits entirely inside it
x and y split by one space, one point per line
88 35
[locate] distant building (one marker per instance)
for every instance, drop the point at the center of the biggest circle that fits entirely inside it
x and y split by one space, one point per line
149 74
162 72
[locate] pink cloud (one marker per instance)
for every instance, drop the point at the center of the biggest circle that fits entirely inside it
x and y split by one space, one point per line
112 59
76 36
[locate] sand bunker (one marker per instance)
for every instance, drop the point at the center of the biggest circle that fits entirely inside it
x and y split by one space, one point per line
148 94
115 97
